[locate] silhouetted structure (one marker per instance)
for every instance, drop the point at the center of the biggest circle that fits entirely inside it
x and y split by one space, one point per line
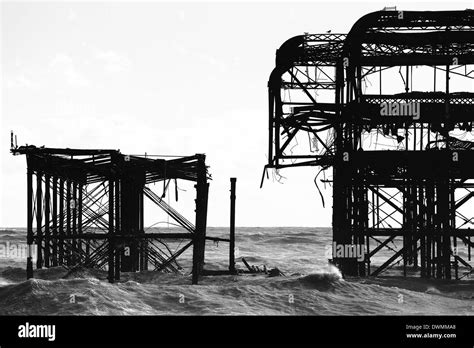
416 193
86 207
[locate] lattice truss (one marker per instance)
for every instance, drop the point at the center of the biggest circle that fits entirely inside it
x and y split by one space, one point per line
86 207
389 109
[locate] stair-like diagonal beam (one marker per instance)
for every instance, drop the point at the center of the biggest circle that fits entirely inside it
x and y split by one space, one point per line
181 220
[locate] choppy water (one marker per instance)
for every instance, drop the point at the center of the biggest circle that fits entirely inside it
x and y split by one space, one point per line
309 287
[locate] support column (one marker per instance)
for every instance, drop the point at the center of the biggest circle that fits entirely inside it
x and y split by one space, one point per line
111 241
79 218
232 226
29 235
47 236
422 230
73 204
131 190
55 222
143 242
61 223
68 223
199 239
119 245
430 228
39 220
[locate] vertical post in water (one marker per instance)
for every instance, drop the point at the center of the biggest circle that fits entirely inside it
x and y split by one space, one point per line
61 223
199 241
47 208
143 241
111 270
232 226
118 190
73 204
446 103
68 223
29 185
39 221
79 219
55 222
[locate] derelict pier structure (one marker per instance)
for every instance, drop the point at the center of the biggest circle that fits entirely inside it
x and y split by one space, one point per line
389 108
86 208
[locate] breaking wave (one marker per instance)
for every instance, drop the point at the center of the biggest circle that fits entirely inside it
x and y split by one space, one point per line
310 287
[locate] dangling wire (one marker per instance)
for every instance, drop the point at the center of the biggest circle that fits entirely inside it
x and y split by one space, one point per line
316 183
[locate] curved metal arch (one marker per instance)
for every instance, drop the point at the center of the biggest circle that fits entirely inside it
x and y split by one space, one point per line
453 28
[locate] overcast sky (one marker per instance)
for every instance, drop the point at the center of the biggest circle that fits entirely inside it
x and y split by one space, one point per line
165 78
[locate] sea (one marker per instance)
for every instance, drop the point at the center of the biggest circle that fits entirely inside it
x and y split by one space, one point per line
308 284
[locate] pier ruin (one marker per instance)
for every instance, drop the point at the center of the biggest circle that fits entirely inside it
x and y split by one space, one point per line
85 207
395 178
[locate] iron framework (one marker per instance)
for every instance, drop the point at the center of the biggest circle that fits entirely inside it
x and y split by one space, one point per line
86 207
413 199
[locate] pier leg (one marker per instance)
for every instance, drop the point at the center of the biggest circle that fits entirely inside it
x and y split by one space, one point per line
111 268
232 226
39 220
55 222
74 223
79 219
119 229
68 222
201 213
47 236
29 261
61 223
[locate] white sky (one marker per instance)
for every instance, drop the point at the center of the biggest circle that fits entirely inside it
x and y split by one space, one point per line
165 78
